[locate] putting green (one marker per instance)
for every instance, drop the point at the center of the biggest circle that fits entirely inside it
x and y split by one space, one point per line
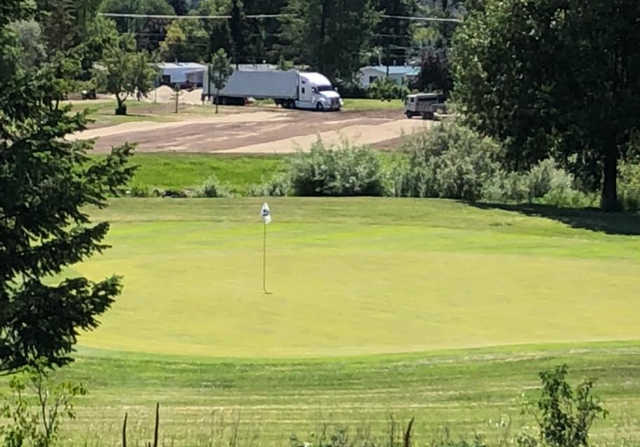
356 276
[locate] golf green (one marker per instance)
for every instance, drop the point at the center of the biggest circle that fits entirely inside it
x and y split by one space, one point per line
360 276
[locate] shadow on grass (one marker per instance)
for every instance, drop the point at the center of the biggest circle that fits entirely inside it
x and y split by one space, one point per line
584 218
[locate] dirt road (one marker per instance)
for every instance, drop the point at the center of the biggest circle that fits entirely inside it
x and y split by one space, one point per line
258 132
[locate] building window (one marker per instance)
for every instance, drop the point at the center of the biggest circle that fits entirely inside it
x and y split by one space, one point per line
372 79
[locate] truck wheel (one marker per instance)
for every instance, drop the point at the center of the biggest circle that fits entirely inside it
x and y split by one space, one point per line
319 107
409 115
427 116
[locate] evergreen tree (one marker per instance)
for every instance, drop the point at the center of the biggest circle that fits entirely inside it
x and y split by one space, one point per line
217 30
238 30
179 6
394 35
330 35
47 182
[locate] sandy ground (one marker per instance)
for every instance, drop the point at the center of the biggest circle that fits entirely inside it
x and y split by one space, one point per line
258 132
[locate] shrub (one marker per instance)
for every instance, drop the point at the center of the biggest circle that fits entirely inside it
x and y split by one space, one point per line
385 89
343 170
278 186
212 187
140 191
448 161
629 186
544 183
33 413
564 415
351 89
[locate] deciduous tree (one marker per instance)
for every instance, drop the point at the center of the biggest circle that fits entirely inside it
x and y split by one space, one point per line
219 72
554 78
125 72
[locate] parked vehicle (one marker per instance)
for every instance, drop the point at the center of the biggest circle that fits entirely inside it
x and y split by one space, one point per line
425 104
290 89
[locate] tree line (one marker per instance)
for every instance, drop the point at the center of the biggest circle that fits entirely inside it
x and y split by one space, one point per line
335 37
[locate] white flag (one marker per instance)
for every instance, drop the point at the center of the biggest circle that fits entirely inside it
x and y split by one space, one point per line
265 212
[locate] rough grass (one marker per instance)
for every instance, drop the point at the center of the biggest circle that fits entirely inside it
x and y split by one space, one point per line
353 104
188 171
468 391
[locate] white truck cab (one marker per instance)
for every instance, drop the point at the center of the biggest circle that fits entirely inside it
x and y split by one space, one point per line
316 92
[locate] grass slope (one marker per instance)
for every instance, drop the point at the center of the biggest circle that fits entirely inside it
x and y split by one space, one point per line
188 171
357 276
468 391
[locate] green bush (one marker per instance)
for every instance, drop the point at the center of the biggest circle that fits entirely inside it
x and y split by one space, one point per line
343 170
385 89
278 186
33 413
544 183
140 191
212 187
629 186
448 161
564 415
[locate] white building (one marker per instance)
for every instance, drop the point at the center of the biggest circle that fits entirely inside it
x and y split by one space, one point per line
182 73
400 74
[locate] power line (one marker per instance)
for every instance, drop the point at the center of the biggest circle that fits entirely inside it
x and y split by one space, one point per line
422 19
173 17
262 16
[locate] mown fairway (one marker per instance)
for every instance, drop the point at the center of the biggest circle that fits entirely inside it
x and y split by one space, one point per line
353 281
358 276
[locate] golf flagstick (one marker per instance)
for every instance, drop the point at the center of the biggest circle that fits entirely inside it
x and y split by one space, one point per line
265 212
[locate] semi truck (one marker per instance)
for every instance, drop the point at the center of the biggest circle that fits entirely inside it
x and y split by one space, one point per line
291 89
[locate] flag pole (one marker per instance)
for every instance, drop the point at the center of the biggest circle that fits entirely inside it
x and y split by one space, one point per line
264 259
266 219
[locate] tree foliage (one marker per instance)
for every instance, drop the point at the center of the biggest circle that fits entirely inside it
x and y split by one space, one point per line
394 36
30 43
125 72
47 182
238 28
219 71
554 78
330 35
149 32
217 30
186 41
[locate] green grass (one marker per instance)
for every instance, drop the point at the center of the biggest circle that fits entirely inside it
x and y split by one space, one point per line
468 391
426 308
351 104
102 113
356 276
188 171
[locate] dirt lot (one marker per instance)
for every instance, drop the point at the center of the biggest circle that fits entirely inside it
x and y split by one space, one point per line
253 131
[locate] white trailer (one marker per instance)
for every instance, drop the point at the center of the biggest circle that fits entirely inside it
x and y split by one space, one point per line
290 89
